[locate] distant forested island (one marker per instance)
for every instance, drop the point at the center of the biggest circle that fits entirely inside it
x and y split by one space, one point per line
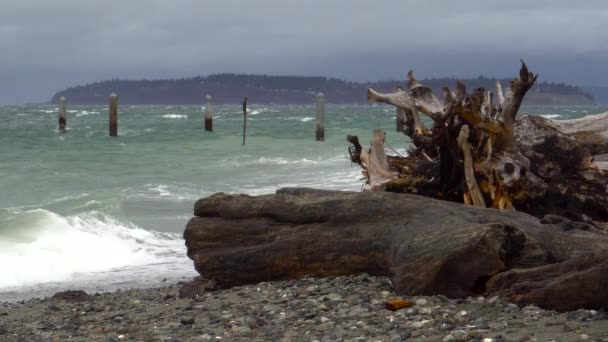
231 88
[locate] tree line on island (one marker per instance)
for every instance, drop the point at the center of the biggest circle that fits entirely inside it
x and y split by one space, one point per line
230 89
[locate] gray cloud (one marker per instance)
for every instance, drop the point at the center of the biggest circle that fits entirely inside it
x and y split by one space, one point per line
47 45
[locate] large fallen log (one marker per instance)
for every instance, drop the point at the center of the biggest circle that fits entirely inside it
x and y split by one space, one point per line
425 246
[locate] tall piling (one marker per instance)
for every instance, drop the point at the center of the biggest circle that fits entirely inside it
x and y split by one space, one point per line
208 115
63 109
113 115
244 119
320 133
400 115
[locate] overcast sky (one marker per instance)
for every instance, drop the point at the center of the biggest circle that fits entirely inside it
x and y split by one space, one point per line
47 45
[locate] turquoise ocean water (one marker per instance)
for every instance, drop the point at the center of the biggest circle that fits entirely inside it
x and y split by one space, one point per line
84 210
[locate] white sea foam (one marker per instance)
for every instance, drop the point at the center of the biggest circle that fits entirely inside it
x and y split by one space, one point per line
46 247
175 116
550 116
306 119
171 192
85 113
281 161
166 192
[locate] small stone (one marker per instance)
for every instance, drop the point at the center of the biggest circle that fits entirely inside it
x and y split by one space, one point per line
487 339
421 302
493 300
425 311
325 319
334 297
188 320
570 326
460 335
206 337
396 338
512 307
461 316
516 323
419 324
497 325
578 315
584 337
395 304
243 331
448 338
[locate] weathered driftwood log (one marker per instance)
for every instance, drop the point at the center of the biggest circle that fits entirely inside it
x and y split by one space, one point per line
425 246
478 152
563 179
591 131
375 164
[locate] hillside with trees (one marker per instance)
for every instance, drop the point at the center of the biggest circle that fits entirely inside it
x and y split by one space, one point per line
231 88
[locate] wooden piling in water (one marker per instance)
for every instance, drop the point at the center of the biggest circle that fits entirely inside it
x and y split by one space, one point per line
113 115
400 115
320 132
400 119
208 115
63 109
244 119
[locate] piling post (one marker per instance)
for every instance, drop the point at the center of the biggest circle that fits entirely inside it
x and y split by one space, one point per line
400 119
113 115
63 121
208 115
400 115
320 117
244 119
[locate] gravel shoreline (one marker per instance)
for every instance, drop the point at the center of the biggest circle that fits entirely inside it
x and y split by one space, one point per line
349 308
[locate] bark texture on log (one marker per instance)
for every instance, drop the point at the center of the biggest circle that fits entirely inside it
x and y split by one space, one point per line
591 131
426 246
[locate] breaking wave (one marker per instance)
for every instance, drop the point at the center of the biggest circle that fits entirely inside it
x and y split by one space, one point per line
40 246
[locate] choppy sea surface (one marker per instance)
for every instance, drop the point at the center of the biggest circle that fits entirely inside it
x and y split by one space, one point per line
84 210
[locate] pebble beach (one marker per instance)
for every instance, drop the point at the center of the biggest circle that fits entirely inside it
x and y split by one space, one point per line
348 308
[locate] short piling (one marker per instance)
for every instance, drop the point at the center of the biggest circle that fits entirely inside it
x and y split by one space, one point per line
320 133
113 115
208 115
63 109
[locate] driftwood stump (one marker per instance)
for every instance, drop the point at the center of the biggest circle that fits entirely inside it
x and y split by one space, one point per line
478 152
